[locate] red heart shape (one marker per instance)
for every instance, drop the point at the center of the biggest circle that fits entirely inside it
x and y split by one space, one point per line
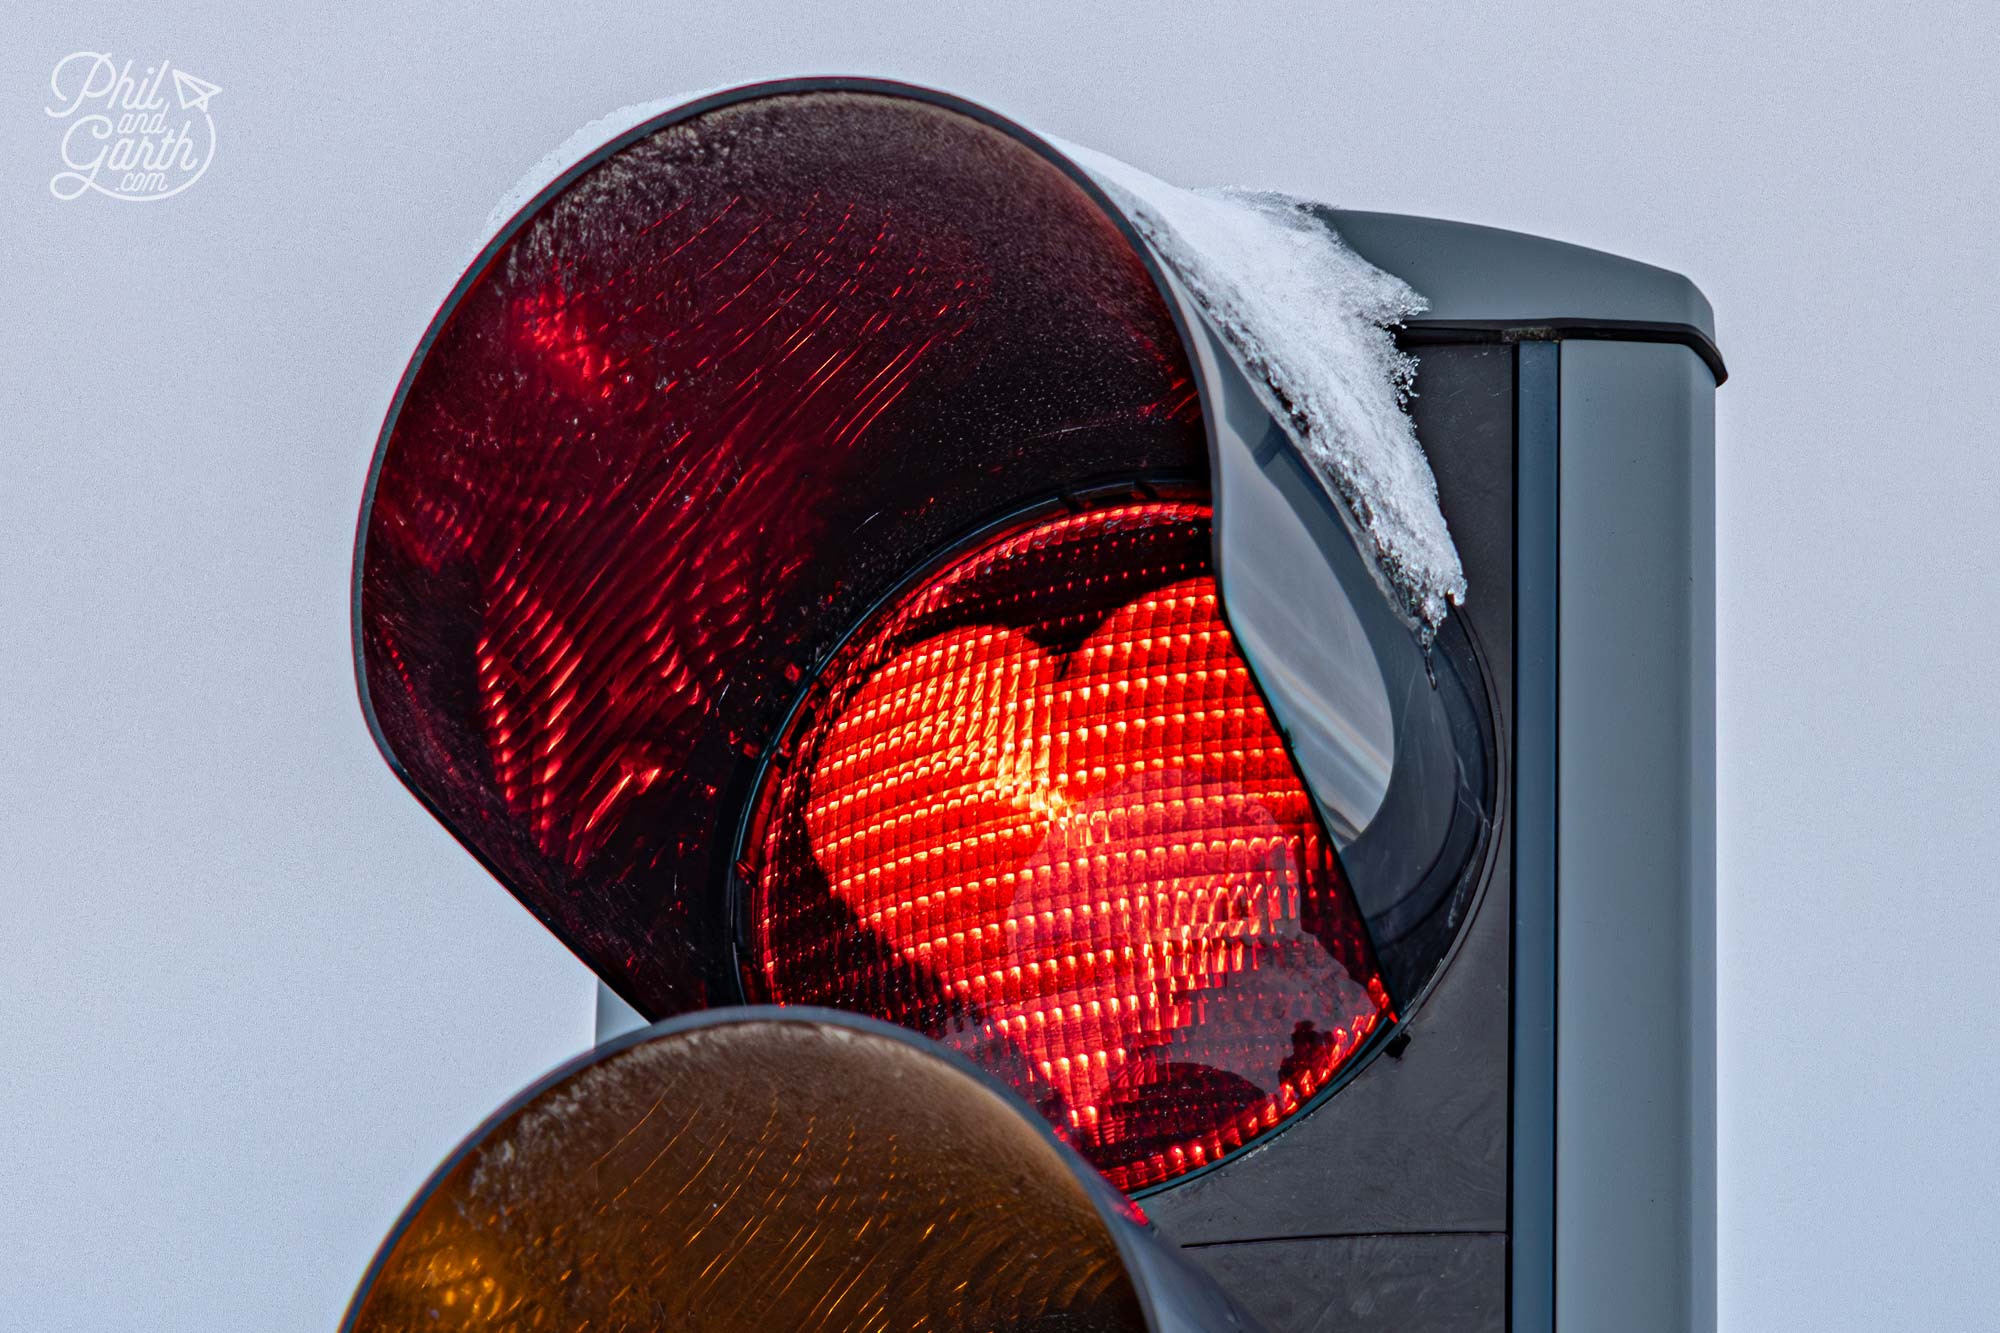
1108 856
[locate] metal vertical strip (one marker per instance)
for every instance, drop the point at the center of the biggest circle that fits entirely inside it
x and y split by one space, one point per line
1531 1192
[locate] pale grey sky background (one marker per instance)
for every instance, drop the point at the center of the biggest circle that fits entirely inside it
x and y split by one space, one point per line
250 993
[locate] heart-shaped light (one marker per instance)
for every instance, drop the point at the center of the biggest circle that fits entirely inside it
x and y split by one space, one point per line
1046 788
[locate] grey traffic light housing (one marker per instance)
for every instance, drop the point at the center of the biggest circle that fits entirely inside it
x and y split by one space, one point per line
1614 368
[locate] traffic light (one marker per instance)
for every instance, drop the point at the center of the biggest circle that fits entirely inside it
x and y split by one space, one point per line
835 551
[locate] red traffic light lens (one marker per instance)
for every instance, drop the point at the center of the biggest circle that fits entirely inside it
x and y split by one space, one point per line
1036 807
702 408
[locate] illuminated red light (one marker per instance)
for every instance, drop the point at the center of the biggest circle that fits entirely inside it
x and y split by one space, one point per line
1037 807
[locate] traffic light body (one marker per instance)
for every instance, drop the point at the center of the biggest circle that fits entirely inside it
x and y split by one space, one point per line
1509 1126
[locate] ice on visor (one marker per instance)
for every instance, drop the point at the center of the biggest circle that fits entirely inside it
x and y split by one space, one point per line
1311 321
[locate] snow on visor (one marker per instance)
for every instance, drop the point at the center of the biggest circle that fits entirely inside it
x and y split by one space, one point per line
1310 319
820 555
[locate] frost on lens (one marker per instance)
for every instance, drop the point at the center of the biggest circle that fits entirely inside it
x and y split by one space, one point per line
574 149
1310 319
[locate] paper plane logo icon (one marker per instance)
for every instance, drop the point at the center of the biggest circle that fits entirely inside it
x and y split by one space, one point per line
119 142
194 93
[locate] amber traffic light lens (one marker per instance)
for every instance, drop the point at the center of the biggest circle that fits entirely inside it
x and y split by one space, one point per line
755 1175
1037 808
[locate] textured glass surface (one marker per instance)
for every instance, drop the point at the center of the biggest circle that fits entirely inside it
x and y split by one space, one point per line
706 406
749 1177
1037 808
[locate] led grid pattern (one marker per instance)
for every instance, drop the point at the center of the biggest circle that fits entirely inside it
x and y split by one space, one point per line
1037 807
